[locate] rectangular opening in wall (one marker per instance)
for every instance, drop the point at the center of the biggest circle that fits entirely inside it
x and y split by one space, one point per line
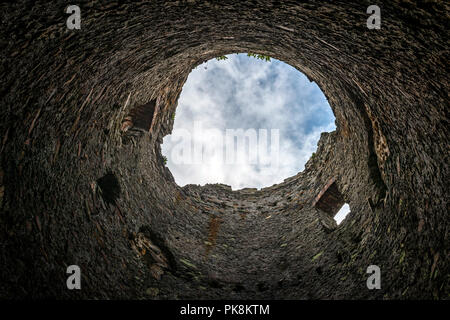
331 201
140 117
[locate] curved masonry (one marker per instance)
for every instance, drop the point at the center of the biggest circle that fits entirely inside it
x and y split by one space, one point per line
82 179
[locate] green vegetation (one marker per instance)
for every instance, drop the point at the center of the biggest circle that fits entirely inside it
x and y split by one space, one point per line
188 263
402 257
164 160
253 55
259 56
317 256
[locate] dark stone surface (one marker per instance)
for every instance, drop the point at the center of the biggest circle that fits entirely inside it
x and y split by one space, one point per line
65 94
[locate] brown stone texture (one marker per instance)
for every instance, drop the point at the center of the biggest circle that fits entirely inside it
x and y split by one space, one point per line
65 95
329 199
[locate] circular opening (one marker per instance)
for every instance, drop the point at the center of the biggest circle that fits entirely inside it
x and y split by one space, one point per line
245 120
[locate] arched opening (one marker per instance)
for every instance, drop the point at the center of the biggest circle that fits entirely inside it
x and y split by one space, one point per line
247 121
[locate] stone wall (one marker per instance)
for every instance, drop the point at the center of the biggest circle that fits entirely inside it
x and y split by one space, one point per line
76 189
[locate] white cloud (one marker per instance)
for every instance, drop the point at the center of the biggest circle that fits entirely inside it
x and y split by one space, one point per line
342 213
244 92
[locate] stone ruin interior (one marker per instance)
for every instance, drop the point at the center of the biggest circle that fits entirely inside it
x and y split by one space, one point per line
83 181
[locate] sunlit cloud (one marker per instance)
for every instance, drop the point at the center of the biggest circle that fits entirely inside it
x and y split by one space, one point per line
247 93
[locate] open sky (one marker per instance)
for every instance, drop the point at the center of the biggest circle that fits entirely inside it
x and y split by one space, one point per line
244 92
